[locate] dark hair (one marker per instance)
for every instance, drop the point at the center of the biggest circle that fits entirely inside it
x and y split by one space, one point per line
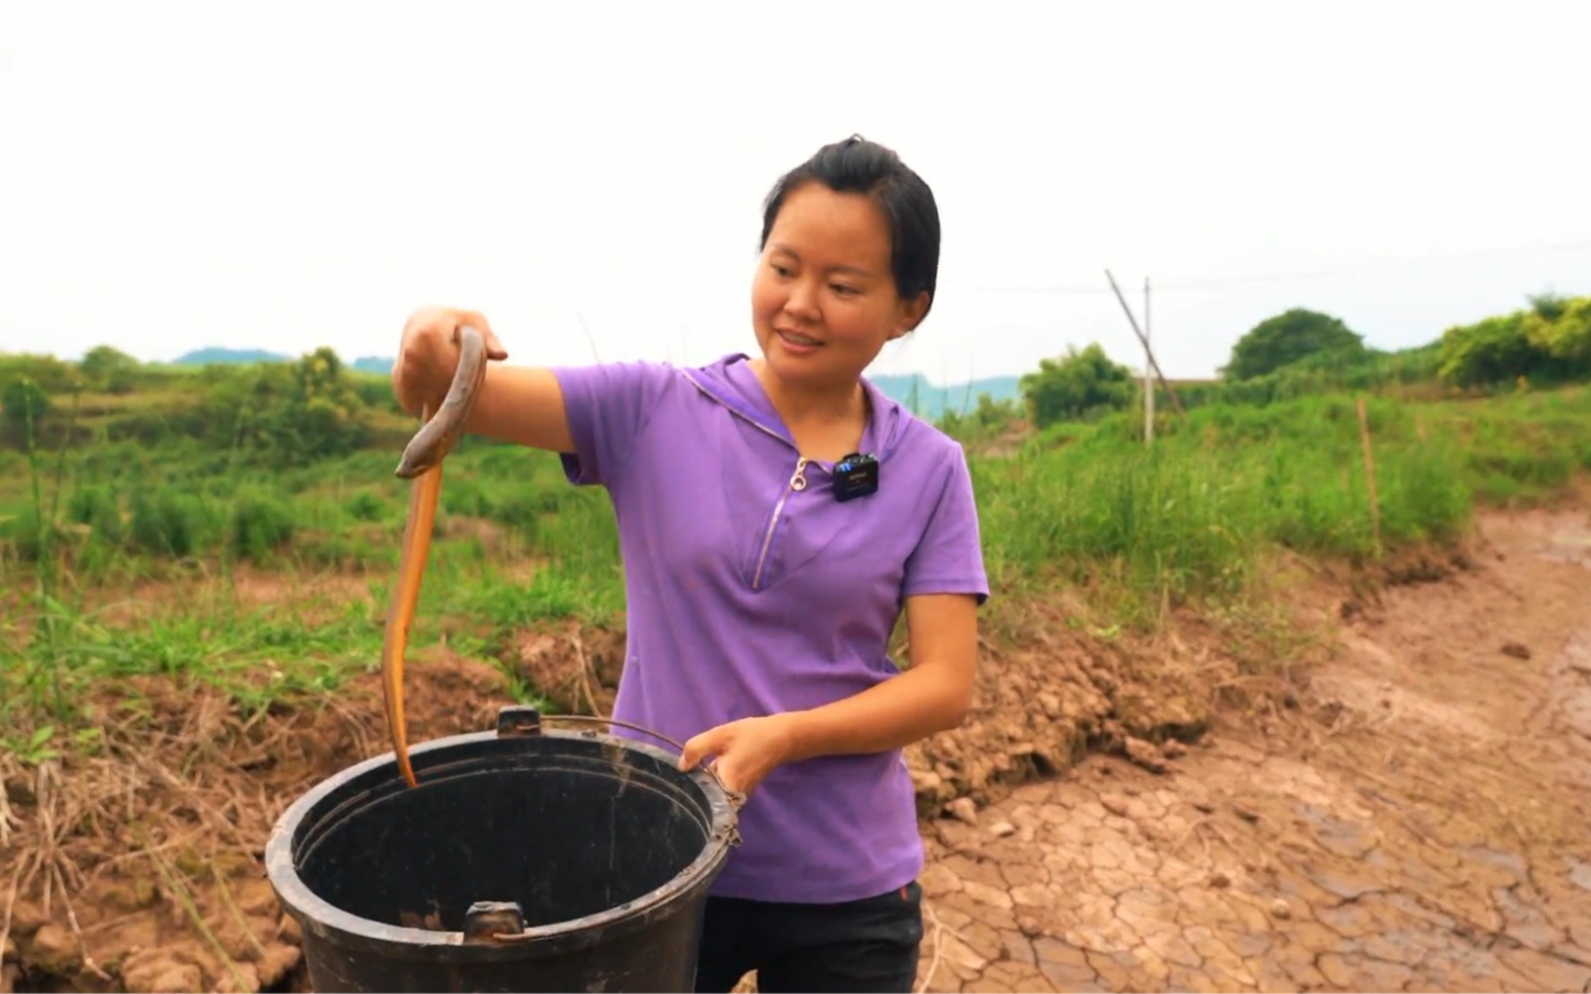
857 165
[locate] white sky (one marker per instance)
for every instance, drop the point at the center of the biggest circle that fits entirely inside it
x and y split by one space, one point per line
288 175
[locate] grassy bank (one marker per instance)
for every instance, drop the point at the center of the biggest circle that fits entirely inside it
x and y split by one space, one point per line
121 559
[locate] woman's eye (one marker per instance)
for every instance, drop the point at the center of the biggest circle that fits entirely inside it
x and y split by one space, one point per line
842 289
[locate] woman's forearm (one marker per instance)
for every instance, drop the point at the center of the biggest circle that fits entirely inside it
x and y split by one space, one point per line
901 710
933 695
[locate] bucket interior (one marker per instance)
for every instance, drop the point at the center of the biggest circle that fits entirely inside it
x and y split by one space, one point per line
565 826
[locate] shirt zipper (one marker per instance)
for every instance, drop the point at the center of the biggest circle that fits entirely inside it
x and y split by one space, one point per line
798 483
798 480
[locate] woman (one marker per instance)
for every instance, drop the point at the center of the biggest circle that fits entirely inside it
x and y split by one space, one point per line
763 582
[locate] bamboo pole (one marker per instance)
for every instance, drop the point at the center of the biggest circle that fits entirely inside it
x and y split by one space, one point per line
1370 478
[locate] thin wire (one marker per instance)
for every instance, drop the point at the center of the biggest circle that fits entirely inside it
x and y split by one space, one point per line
1223 281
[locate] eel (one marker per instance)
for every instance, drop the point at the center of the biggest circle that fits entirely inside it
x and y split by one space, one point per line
422 463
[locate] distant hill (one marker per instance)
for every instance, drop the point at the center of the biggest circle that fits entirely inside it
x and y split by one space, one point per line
372 364
205 357
932 401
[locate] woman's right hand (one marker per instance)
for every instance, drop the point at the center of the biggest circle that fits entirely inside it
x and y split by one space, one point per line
428 355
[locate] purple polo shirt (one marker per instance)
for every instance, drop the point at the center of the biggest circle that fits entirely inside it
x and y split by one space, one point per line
746 597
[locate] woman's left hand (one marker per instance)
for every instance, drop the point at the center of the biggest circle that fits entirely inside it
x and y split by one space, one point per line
747 750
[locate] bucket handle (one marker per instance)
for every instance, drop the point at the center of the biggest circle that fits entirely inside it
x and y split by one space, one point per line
517 718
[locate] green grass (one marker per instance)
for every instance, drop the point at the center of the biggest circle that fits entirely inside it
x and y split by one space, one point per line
1192 514
1188 520
172 530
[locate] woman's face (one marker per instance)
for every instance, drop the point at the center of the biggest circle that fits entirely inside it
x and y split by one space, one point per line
824 300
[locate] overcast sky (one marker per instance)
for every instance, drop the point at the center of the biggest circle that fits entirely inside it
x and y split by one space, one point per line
288 175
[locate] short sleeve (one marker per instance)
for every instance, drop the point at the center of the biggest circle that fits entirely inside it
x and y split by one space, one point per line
608 407
949 556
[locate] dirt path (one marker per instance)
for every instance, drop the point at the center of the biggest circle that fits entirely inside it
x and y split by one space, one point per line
1421 826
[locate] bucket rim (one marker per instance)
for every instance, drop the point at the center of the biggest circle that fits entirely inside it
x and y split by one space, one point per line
331 922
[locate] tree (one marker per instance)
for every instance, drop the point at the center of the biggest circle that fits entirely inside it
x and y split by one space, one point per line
290 413
1288 337
109 369
1076 386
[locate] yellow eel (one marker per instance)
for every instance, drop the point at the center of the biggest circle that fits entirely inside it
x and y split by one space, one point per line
422 463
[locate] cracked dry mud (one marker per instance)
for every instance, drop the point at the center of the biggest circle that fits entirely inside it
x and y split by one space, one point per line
1421 826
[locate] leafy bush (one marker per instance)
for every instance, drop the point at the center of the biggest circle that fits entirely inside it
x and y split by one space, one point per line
168 522
365 506
1078 386
1561 330
23 407
1488 351
260 524
96 505
1550 341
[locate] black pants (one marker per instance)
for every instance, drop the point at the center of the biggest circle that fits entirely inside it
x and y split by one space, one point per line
866 945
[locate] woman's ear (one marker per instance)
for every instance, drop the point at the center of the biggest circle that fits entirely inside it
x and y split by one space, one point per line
911 315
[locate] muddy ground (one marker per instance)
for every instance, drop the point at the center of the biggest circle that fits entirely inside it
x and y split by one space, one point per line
1423 826
1402 807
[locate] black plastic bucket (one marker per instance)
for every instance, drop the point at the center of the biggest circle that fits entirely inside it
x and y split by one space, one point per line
528 859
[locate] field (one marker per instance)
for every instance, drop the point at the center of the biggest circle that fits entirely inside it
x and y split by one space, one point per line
192 595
